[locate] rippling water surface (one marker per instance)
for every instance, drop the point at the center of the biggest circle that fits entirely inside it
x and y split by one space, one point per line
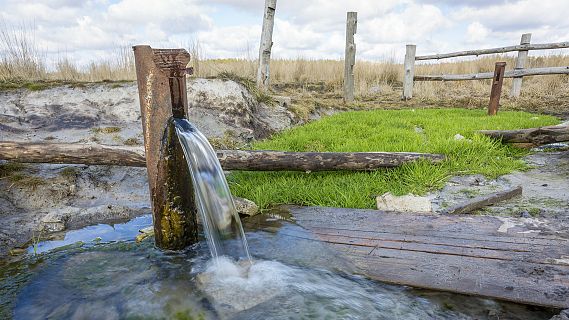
109 276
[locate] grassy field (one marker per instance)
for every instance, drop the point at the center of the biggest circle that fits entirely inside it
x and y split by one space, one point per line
426 130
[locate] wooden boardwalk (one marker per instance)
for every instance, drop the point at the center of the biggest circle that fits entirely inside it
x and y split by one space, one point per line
502 258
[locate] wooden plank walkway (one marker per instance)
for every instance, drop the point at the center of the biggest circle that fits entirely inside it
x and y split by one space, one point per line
502 258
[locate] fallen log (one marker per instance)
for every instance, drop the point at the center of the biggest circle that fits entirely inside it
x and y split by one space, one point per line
95 154
532 136
483 201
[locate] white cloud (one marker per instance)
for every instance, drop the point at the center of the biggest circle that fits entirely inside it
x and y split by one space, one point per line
311 29
476 32
526 14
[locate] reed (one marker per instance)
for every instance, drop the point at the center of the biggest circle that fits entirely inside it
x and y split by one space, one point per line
21 60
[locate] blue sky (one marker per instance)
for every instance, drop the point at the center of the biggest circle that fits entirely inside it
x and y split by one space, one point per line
95 29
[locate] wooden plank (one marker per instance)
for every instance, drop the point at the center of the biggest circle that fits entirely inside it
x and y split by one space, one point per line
258 160
497 229
263 71
409 71
544 46
520 64
483 201
490 75
496 90
473 255
350 56
531 136
547 255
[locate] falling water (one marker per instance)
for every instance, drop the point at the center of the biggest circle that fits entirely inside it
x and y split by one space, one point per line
219 217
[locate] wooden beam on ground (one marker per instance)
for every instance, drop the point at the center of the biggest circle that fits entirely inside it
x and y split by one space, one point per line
496 89
495 257
230 159
350 56
532 136
483 201
545 46
490 75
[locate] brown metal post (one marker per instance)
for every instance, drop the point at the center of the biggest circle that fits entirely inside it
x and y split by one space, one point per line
161 81
497 82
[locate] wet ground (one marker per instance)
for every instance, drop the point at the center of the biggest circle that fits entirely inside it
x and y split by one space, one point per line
101 273
544 201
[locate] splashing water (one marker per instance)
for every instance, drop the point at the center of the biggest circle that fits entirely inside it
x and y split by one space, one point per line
219 217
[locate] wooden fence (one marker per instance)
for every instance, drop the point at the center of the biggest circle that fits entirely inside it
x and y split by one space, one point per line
517 73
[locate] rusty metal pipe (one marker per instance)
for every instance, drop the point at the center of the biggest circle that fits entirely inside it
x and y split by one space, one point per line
161 82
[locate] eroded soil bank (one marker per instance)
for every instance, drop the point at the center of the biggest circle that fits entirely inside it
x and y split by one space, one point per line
37 200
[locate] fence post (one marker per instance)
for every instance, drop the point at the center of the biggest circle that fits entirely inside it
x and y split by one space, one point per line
263 74
520 62
409 71
496 88
350 56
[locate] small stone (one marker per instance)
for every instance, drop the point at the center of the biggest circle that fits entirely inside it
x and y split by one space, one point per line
563 315
406 203
525 214
245 206
53 222
458 137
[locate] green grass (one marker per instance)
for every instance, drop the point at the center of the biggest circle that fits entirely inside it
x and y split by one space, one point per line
9 168
106 130
428 130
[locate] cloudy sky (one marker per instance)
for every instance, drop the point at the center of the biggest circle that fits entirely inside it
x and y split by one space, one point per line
94 29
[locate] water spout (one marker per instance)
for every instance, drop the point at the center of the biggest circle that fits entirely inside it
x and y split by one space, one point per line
221 224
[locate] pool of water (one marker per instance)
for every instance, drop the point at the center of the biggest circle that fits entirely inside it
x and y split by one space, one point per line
100 272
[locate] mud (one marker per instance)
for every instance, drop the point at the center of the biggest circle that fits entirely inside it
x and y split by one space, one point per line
543 206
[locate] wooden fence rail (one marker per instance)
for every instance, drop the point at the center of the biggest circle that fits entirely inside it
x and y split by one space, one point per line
489 75
521 47
517 73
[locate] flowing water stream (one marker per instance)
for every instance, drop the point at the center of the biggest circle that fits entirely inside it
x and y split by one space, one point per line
99 272
213 198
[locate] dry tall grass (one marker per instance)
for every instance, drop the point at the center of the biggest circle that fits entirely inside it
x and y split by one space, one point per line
373 77
22 60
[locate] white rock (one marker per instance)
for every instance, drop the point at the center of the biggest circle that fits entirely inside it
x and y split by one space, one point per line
458 136
406 203
245 206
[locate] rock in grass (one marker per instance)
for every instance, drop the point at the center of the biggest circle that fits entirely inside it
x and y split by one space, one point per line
245 206
406 203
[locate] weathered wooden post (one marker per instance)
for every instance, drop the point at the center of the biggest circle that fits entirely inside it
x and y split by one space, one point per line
409 71
520 63
496 91
350 56
263 72
161 81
